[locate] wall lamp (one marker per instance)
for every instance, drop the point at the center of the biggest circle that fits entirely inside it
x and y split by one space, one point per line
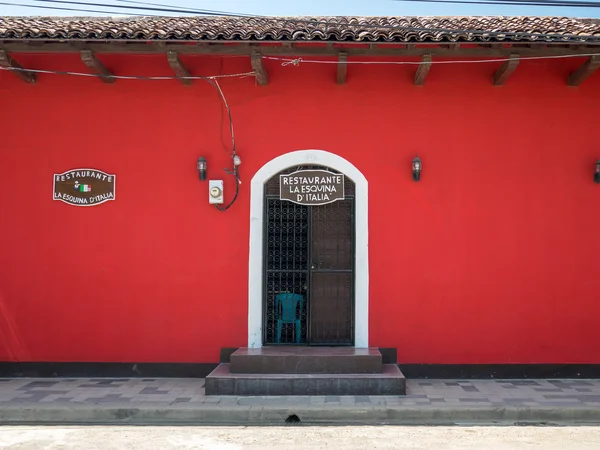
202 168
417 166
597 172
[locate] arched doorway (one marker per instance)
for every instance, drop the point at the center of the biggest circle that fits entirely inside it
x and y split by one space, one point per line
320 279
308 259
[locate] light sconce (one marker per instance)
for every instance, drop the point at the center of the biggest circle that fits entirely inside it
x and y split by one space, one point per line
417 166
202 168
597 172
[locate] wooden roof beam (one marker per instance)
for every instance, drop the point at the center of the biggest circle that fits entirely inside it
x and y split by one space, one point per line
423 70
261 73
506 70
342 67
587 68
7 61
90 60
205 48
180 70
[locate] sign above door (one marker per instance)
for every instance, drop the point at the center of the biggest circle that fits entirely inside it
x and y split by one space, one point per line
311 187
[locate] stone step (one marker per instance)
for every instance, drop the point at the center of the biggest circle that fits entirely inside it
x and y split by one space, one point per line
389 382
297 360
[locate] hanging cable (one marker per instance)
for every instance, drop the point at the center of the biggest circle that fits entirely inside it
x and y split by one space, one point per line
192 10
565 4
298 61
129 77
348 24
137 8
212 80
234 157
286 62
58 8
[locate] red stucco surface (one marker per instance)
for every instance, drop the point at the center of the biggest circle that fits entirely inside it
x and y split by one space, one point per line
491 258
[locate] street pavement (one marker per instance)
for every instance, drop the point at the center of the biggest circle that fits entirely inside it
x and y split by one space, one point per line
182 401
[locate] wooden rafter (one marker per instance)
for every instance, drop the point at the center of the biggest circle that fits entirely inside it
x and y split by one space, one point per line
506 70
180 70
90 60
7 61
423 70
261 73
452 46
382 50
587 68
342 67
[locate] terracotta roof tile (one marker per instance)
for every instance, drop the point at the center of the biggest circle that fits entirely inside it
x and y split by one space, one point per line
349 29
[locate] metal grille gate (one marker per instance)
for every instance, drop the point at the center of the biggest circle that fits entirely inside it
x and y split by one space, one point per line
309 251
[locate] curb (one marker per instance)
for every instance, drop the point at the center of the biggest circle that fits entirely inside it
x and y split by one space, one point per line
203 414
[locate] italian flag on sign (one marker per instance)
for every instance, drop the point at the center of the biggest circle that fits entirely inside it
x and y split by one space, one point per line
85 188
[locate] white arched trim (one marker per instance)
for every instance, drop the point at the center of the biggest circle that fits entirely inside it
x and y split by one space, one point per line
361 267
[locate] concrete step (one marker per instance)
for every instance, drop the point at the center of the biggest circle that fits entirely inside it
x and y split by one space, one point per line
389 382
305 360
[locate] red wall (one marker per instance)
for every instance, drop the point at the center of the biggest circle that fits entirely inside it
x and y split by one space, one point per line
491 258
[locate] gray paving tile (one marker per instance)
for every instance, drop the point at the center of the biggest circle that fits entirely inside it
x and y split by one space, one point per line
450 393
38 384
580 397
470 388
517 401
153 390
523 383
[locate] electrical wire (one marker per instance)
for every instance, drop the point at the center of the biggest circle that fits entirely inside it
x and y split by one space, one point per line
228 109
556 3
234 158
566 4
286 62
184 7
137 8
297 61
348 24
543 1
125 13
213 80
128 77
58 8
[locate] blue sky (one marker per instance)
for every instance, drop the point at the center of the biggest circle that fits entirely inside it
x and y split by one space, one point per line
311 7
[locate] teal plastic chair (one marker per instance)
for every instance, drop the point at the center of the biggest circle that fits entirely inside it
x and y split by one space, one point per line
286 305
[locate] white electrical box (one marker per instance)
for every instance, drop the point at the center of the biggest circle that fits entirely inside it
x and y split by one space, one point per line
215 192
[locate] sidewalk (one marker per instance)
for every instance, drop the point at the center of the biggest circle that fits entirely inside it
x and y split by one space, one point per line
182 401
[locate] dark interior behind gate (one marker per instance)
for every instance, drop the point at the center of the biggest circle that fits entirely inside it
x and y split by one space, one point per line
309 269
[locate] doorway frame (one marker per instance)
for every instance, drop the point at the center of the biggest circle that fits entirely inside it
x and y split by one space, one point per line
361 239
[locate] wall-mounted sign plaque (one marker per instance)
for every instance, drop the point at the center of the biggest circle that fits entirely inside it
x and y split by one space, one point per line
311 187
84 187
